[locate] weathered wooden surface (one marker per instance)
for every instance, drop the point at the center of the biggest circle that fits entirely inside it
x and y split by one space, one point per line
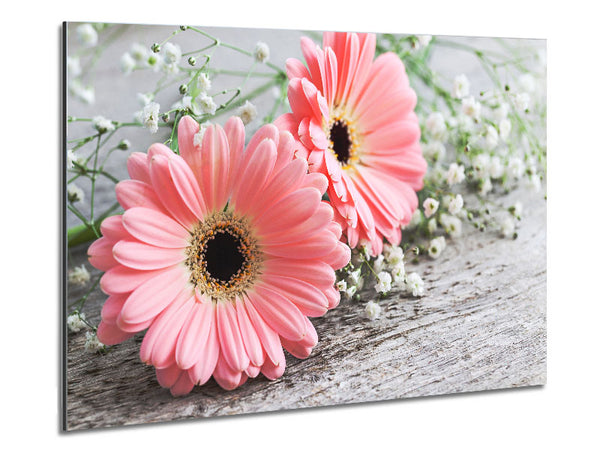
481 325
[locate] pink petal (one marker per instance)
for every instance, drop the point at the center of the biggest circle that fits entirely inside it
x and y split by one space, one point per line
158 346
112 308
302 349
112 227
100 254
309 300
214 170
168 376
201 372
279 313
111 334
137 166
292 209
186 130
165 188
268 338
132 193
236 136
312 271
225 376
138 255
148 300
251 340
255 173
155 228
272 370
194 334
182 386
187 186
295 69
316 246
230 338
122 280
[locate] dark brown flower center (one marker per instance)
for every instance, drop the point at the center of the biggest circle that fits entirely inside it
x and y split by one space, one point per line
223 257
341 143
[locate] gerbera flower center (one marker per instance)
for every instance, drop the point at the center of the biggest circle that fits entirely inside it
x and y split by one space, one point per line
224 258
343 140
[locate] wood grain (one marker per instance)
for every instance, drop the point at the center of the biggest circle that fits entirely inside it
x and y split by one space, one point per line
481 325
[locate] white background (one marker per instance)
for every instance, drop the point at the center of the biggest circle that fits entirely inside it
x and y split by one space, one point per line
565 412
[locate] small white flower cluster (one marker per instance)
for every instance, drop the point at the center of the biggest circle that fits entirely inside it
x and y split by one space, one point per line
247 112
102 124
75 193
139 57
261 52
92 344
200 102
387 269
79 275
76 322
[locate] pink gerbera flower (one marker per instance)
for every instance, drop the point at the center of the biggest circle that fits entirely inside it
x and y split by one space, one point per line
222 253
356 122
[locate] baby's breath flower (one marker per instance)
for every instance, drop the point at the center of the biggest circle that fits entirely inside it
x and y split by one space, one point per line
355 277
485 186
421 41
127 63
491 137
139 53
481 164
92 344
517 209
434 150
341 285
496 168
527 83
534 183
102 124
415 285
379 263
455 205
200 134
75 193
522 101
384 282
507 227
207 104
436 247
460 87
501 112
505 126
73 66
372 310
172 53
124 144
430 206
471 107
150 115
76 322
393 254
452 225
455 175
247 112
87 36
261 52
350 292
84 93
432 226
204 82
516 167
398 272
436 126
79 275
70 158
